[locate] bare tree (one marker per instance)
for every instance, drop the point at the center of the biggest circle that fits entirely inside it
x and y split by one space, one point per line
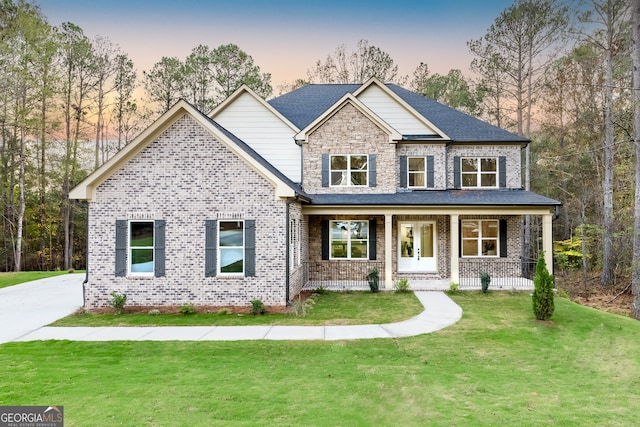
364 62
103 67
124 106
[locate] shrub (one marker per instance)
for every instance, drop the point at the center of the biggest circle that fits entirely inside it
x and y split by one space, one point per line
118 301
257 307
401 285
485 279
373 278
454 287
154 312
320 290
543 305
187 309
300 308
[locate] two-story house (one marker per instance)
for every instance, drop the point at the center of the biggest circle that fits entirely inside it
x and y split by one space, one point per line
313 188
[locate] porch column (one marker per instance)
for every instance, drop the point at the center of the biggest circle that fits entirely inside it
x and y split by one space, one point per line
547 240
454 250
388 251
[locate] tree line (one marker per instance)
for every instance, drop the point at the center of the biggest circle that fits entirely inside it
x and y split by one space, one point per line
560 73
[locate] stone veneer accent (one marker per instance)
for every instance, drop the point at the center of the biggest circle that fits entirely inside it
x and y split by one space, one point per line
185 177
349 131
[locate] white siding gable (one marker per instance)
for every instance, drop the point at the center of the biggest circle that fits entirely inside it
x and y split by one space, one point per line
396 115
263 131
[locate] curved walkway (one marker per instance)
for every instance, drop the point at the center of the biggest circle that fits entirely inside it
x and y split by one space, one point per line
440 312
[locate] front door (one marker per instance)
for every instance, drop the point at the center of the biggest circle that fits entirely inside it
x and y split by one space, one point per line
417 246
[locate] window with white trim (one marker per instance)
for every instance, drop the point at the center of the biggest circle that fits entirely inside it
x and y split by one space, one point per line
480 238
417 172
141 248
349 170
349 239
231 247
479 172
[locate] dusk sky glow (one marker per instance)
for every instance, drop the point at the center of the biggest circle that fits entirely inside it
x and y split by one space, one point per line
286 37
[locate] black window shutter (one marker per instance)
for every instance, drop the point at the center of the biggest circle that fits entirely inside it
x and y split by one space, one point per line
159 245
249 247
459 238
372 170
502 171
324 229
121 248
403 171
503 238
210 248
372 240
430 172
457 177
325 170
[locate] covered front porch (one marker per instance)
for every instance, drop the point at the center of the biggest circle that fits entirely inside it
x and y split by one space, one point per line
448 262
505 275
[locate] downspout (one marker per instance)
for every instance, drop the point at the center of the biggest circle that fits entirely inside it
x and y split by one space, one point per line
288 253
86 262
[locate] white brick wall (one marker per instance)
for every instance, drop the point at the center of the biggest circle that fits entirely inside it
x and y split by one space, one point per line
186 177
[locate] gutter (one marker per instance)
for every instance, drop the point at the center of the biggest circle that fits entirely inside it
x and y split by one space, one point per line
287 253
86 266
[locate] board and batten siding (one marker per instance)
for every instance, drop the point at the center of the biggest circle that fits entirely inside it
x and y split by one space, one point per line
263 131
393 113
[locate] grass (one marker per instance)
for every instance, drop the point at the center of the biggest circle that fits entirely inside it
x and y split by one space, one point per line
497 366
10 279
331 308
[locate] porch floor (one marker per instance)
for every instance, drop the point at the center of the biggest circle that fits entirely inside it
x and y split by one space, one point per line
497 283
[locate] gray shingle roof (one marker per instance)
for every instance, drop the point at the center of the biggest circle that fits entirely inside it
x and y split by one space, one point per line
302 106
438 198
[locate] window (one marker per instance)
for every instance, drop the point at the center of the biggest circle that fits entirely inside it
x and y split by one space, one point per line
231 247
479 171
480 237
141 247
349 170
417 170
349 239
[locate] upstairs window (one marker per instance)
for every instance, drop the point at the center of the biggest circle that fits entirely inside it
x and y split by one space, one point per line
349 170
416 172
479 172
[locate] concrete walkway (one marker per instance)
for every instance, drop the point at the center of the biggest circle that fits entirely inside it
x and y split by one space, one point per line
440 312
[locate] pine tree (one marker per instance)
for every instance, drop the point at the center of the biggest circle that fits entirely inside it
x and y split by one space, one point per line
543 305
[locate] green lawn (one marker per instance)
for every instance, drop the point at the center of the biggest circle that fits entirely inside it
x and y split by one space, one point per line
10 279
497 366
330 308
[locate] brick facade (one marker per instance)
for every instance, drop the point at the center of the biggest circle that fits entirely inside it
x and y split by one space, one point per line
349 131
186 177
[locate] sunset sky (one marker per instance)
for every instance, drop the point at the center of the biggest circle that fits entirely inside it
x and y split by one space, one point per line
286 37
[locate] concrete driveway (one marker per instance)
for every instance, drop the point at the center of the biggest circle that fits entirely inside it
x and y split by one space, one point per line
29 306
